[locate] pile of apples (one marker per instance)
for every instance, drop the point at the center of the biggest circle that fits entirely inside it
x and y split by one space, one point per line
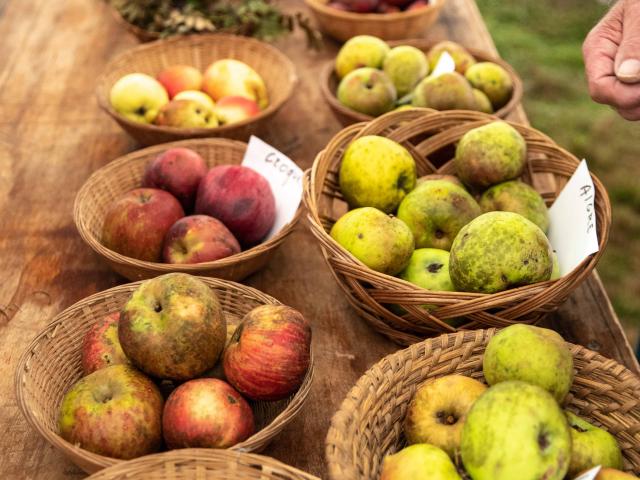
172 337
230 91
378 6
234 209
481 231
376 79
458 428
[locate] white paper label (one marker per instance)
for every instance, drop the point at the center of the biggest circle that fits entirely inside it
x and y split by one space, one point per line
589 474
445 65
572 230
283 175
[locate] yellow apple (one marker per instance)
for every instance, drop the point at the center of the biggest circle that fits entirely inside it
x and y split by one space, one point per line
186 114
228 77
138 97
197 96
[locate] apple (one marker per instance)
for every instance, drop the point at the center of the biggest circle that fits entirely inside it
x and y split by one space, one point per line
229 77
235 109
613 474
270 353
135 224
338 6
361 6
197 239
115 411
387 7
591 446
101 347
186 114
419 462
179 172
173 327
138 97
178 78
207 413
240 198
367 90
197 96
418 4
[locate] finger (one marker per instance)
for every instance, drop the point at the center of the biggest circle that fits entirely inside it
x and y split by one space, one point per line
627 61
611 91
632 114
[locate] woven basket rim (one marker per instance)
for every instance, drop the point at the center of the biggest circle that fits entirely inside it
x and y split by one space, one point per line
253 442
100 249
273 107
374 17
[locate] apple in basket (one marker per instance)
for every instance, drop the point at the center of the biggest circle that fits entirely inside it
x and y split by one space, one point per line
178 78
613 474
269 354
186 114
235 109
101 347
229 77
202 98
138 97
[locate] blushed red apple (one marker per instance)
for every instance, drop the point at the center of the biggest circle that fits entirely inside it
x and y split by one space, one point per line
206 413
178 78
361 6
270 353
197 239
136 223
235 109
418 4
240 198
101 347
179 172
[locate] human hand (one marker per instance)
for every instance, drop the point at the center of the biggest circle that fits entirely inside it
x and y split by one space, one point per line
612 59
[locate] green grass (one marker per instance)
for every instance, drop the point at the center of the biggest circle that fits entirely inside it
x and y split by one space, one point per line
542 39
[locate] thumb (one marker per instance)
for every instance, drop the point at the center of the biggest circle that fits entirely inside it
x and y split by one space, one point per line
628 56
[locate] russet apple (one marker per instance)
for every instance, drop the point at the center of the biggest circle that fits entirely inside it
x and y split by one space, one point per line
269 354
138 97
101 347
178 78
136 223
197 239
115 411
229 77
235 109
240 198
206 413
173 327
197 96
179 172
186 114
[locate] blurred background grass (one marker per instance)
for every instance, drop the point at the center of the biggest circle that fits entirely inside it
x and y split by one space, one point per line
542 39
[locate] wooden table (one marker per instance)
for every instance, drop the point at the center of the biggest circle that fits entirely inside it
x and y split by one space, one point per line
53 136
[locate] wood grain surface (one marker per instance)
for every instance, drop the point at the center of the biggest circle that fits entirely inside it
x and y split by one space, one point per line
53 136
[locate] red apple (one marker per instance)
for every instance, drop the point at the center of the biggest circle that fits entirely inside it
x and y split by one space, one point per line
115 411
101 347
418 4
178 78
338 6
240 198
179 172
269 356
361 6
197 239
387 7
207 413
398 3
135 224
235 109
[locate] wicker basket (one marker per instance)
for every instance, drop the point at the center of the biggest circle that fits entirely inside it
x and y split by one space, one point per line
51 364
329 85
368 424
431 135
200 50
343 25
202 464
124 174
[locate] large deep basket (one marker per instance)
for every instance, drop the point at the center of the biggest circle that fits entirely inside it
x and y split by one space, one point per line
368 424
430 137
51 365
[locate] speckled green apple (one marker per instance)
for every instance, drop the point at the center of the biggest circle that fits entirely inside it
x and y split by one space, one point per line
555 273
361 51
591 446
440 176
493 80
380 241
367 90
483 104
429 268
531 354
497 251
419 462
461 57
448 91
405 66
376 172
518 197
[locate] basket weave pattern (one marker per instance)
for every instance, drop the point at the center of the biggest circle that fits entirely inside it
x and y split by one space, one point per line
432 135
200 51
368 424
51 365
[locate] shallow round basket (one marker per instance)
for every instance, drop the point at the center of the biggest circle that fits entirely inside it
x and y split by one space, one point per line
329 84
430 137
125 173
200 51
51 365
368 424
343 25
202 464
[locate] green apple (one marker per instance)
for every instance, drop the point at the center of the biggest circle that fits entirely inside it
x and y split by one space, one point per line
405 66
186 114
493 80
555 273
438 410
419 462
461 57
440 176
380 241
516 431
591 446
497 251
518 197
376 172
138 97
367 90
429 268
483 104
361 51
448 91
531 354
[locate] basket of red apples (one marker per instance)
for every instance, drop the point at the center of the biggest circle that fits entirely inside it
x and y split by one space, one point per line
519 403
196 86
387 19
173 362
185 206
